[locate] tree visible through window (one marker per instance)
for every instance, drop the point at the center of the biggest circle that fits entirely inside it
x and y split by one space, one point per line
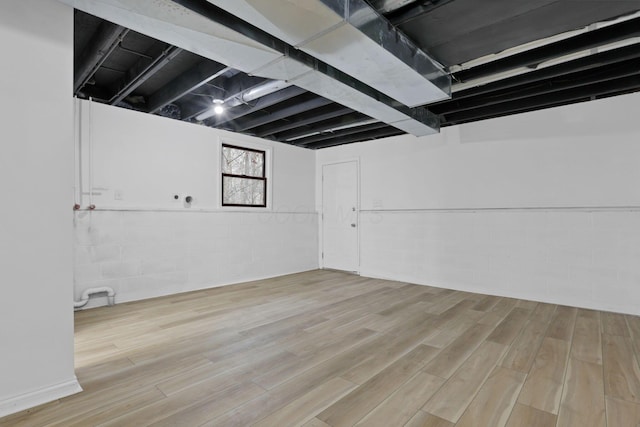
244 182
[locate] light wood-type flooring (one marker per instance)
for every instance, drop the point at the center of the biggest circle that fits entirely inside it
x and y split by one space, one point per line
324 348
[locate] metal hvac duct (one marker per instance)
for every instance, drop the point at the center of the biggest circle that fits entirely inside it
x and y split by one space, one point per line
352 37
209 31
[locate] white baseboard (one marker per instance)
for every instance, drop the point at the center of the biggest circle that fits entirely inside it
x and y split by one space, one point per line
38 397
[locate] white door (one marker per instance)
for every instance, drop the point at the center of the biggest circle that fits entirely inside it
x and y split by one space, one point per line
340 216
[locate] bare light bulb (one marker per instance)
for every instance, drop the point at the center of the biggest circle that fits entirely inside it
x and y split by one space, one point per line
218 108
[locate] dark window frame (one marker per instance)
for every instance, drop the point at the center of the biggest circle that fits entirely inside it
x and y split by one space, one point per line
263 178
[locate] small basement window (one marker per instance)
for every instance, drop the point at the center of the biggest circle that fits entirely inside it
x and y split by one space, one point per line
244 181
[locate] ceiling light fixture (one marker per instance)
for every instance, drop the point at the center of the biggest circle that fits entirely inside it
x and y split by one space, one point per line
218 108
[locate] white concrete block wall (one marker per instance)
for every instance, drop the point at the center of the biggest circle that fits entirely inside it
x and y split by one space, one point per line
543 205
145 244
148 254
581 258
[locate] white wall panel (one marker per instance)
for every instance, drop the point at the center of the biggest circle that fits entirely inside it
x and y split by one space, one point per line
36 310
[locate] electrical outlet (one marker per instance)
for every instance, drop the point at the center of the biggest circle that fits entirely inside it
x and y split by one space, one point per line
117 195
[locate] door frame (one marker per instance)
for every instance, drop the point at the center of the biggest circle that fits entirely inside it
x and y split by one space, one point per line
355 160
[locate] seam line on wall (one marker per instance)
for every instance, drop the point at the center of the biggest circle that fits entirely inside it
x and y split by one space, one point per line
523 209
269 212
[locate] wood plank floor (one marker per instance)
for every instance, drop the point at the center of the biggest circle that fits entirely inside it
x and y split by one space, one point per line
324 348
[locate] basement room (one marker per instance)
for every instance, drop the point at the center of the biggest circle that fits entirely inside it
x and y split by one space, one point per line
320 213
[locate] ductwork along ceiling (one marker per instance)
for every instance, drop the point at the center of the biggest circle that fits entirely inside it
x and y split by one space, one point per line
320 73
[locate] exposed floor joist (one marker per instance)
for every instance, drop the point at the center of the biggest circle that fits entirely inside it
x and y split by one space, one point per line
188 82
185 87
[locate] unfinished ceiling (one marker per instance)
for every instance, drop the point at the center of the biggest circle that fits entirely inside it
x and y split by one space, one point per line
503 57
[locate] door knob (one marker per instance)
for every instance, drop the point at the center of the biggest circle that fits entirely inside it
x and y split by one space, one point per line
353 225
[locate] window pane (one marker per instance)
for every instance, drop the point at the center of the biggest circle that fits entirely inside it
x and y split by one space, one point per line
255 164
243 191
233 161
237 161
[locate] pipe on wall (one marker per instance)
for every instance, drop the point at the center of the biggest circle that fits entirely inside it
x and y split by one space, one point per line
90 154
84 299
77 177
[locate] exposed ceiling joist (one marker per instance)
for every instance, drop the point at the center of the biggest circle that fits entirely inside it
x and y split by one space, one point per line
298 124
359 137
408 14
387 6
246 96
193 105
257 105
229 87
186 83
100 47
581 64
263 105
324 122
539 101
548 86
535 56
143 69
216 34
339 133
307 102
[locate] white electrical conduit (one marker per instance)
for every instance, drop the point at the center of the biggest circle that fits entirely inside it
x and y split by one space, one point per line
76 139
84 299
90 136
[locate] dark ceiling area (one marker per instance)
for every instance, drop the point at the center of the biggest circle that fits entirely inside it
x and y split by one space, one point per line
118 66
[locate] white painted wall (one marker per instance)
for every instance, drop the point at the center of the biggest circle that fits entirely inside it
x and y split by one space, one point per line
543 205
36 115
147 244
